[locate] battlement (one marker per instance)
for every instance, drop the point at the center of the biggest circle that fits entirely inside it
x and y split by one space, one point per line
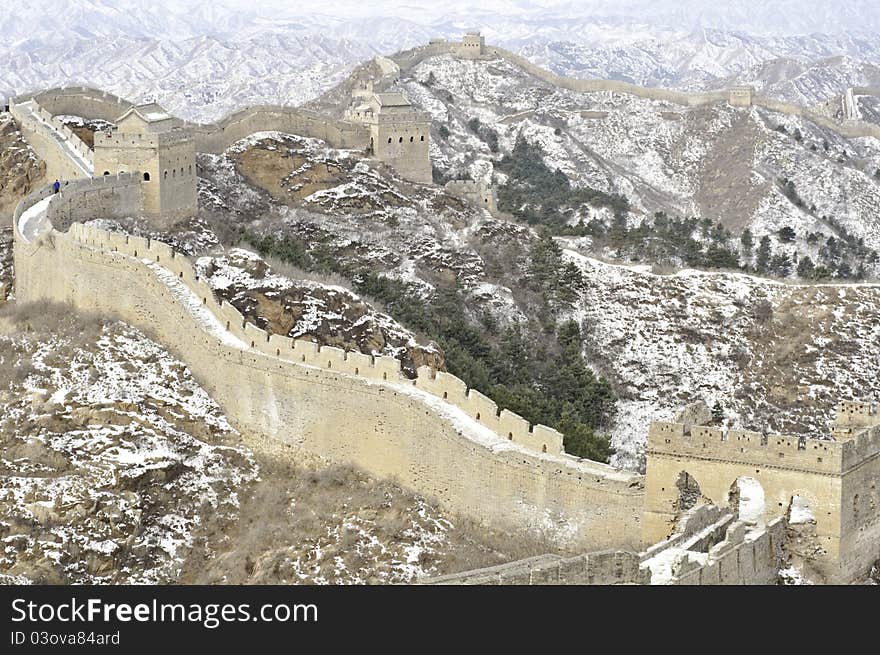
742 446
856 438
504 424
740 96
115 139
410 116
79 101
473 45
853 414
479 193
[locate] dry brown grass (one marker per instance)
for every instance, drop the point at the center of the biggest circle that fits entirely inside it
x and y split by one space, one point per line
40 321
293 506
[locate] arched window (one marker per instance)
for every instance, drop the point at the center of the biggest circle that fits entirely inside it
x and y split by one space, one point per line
422 138
173 173
146 177
106 172
411 139
389 139
166 174
400 140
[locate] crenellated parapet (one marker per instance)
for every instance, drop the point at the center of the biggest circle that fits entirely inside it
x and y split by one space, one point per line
745 447
432 434
504 424
217 137
77 101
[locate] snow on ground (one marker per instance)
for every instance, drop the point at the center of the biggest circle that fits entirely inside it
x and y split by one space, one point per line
800 511
195 306
715 162
32 221
107 452
751 500
772 355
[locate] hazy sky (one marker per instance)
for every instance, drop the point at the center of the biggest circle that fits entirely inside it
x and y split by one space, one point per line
754 16
780 16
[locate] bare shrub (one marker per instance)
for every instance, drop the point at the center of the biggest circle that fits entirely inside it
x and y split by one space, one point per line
281 267
44 318
763 311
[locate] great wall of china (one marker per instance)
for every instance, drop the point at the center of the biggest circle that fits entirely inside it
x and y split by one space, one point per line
432 434
473 47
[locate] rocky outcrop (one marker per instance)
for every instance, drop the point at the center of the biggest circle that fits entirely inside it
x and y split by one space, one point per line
325 313
21 171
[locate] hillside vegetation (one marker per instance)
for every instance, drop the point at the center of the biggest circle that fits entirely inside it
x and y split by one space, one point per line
116 467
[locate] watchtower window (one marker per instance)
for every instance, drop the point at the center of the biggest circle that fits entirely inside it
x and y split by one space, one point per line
422 138
411 139
146 177
400 140
166 174
389 139
106 172
190 169
173 173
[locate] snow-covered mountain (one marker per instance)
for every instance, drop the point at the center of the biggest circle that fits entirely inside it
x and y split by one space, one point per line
806 69
745 168
772 354
206 58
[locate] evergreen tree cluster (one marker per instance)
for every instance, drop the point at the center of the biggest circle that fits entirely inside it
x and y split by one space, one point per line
700 244
541 196
485 133
697 243
551 276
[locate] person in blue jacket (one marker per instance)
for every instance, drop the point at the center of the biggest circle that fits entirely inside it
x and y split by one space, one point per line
56 186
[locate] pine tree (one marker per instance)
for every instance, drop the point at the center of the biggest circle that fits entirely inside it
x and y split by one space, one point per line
805 268
765 251
781 265
717 413
786 234
747 241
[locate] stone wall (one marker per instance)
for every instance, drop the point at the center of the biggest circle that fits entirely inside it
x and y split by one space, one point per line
409 59
833 477
167 164
59 165
860 500
599 568
431 435
711 546
216 137
746 556
110 196
402 141
79 101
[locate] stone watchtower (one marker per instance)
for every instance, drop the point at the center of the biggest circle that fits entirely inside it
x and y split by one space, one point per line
149 140
399 134
472 46
740 96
